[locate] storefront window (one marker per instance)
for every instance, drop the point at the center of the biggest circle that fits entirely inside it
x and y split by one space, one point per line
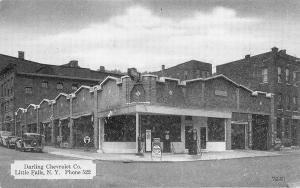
159 125
216 130
119 129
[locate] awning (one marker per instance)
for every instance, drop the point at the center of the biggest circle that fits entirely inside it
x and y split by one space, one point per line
164 110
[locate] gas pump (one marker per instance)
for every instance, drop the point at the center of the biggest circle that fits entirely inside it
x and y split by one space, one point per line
167 143
193 142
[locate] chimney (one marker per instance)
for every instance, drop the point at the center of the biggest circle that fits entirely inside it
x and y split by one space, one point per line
102 69
283 51
163 67
247 56
73 63
21 55
274 49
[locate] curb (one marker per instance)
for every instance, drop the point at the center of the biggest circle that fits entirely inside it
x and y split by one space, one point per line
152 161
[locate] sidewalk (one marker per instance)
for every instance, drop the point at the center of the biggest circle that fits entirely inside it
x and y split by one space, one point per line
166 157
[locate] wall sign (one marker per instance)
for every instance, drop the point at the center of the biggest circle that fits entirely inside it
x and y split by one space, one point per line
221 93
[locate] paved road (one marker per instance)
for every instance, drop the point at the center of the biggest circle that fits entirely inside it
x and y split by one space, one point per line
260 171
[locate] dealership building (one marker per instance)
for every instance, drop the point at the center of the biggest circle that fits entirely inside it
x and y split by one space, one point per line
123 115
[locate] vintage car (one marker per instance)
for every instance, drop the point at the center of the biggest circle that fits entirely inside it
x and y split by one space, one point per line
30 142
11 141
3 136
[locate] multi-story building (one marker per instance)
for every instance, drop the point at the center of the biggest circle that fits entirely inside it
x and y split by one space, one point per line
187 70
273 72
24 82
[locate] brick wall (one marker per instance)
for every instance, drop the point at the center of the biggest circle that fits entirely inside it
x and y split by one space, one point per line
83 101
62 107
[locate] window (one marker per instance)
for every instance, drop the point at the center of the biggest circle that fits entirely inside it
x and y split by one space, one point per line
28 90
74 86
295 103
288 102
188 118
185 75
294 77
279 101
44 84
265 75
279 128
287 128
216 129
279 75
287 75
198 74
119 129
59 85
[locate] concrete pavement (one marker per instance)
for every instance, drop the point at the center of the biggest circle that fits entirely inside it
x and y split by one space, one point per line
166 157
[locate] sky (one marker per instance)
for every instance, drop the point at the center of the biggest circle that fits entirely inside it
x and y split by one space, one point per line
147 34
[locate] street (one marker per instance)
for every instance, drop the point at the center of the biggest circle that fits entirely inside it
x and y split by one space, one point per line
253 172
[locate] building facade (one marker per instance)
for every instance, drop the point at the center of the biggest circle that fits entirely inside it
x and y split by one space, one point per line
273 72
122 115
186 71
26 82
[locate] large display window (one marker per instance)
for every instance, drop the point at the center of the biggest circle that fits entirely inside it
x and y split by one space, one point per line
216 129
119 129
162 124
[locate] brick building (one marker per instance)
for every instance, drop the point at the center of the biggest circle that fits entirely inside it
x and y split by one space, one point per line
26 82
187 70
272 72
119 112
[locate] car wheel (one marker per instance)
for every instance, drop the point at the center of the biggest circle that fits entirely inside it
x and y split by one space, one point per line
22 148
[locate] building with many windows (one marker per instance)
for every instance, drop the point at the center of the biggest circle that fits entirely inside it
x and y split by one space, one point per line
24 82
123 115
273 72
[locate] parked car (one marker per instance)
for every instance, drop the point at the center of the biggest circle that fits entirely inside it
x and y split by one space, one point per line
3 136
30 142
11 141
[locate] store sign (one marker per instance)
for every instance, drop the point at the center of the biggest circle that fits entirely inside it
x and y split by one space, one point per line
156 149
148 140
221 93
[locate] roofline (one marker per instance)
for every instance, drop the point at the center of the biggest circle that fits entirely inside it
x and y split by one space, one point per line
182 64
82 87
47 100
33 105
22 109
44 64
58 76
63 94
254 93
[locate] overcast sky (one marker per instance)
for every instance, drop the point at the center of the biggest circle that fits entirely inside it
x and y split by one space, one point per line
147 34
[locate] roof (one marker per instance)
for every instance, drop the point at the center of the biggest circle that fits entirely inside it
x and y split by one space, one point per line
38 69
192 64
265 56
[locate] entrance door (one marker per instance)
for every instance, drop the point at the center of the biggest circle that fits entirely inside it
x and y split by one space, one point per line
260 132
237 136
294 133
188 135
203 137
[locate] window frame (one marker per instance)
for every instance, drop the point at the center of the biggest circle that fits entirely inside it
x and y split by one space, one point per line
28 90
59 83
45 84
287 75
279 74
265 76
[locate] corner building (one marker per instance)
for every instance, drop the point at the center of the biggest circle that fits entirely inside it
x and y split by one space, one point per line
120 111
273 72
